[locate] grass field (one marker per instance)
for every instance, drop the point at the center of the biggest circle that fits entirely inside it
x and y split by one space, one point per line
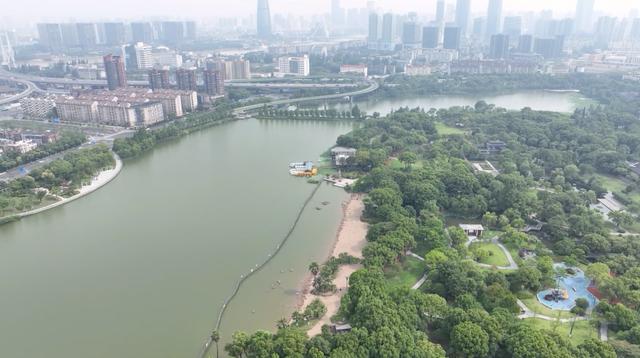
496 256
444 129
406 274
537 307
582 330
397 164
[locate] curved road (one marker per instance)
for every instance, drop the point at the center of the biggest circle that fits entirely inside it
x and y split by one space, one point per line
31 87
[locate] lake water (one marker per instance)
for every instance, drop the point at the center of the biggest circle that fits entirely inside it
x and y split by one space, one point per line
537 100
141 267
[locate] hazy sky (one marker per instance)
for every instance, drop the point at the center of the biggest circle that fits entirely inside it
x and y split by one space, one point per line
36 10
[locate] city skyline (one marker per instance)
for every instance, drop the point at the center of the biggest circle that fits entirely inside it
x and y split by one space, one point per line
34 10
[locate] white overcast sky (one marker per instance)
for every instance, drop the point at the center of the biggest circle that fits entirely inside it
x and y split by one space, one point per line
37 10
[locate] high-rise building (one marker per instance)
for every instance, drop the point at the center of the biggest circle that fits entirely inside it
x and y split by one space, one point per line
451 38
213 82
374 28
7 55
494 18
337 14
463 16
69 35
87 36
479 26
499 48
187 79
264 19
387 38
605 28
296 66
114 34
634 35
138 56
159 79
584 16
430 36
411 34
142 32
114 69
549 47
440 11
190 30
50 35
173 32
512 26
525 44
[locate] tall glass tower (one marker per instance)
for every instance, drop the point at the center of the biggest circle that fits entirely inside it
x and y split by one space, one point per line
264 19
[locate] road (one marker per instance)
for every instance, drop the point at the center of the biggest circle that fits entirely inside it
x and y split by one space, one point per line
30 79
373 86
27 92
27 168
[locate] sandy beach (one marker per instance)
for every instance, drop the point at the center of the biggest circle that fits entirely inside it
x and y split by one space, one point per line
350 238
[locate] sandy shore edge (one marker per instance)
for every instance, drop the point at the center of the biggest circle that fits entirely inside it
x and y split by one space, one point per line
351 239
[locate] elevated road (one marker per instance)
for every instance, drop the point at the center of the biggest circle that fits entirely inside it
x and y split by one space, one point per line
103 83
373 86
27 92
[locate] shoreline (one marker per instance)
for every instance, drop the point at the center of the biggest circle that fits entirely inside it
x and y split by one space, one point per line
103 178
350 238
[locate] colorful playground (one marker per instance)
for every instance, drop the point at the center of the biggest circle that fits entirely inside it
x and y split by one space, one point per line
571 286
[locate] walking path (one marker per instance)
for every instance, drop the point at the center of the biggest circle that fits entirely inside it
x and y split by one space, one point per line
530 314
512 263
420 282
604 331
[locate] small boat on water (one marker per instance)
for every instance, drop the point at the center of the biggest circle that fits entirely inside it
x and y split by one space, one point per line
304 169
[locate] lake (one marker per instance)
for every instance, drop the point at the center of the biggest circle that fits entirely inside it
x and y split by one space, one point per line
140 267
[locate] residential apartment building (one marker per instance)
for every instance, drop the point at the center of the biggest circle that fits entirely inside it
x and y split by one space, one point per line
294 66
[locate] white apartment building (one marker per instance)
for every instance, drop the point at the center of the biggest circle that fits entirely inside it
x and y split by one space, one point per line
37 107
144 58
21 146
7 56
294 66
167 57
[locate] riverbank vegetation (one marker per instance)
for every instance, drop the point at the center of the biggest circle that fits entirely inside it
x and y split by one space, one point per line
145 140
311 114
60 178
547 172
66 141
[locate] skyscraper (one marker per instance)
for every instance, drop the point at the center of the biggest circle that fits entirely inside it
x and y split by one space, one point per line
138 56
87 36
584 16
114 33
114 69
388 35
494 17
158 79
7 56
213 82
430 36
451 37
173 32
264 19
411 34
440 11
525 44
499 48
50 35
374 25
186 79
463 14
142 32
337 14
512 26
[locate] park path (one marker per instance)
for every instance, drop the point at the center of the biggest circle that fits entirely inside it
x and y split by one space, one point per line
496 240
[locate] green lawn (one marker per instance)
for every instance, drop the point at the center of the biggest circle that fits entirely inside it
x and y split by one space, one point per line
496 256
395 163
537 307
582 330
444 129
406 274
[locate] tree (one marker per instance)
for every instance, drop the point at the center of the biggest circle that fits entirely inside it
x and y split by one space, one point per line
215 338
593 348
621 218
408 158
469 340
238 346
314 268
